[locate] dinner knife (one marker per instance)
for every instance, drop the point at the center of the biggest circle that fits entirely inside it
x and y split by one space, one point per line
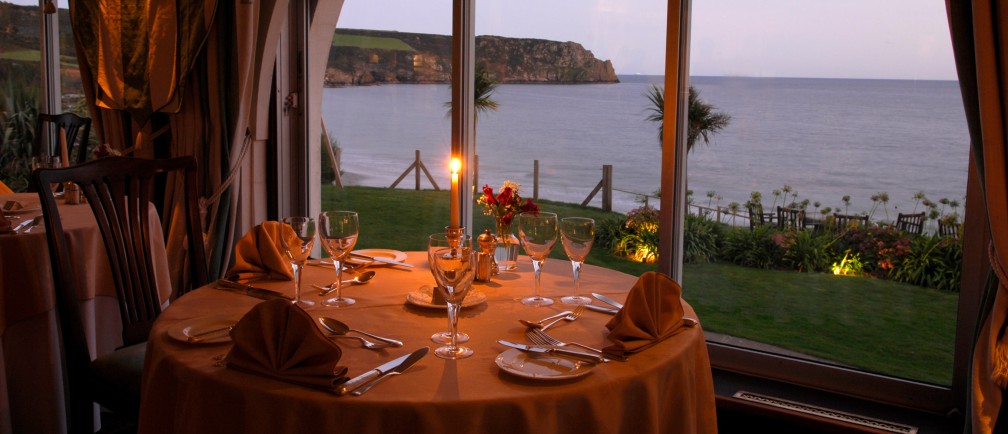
602 309
608 300
380 259
397 365
551 350
250 290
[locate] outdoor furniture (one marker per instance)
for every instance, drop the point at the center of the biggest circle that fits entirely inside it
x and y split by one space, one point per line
842 222
948 230
756 215
910 223
790 218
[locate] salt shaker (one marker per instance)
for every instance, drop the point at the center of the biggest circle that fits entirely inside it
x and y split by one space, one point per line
486 265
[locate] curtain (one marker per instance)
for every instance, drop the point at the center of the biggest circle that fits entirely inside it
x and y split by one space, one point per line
195 74
979 31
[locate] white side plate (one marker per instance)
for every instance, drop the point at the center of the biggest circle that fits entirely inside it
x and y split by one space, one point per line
541 367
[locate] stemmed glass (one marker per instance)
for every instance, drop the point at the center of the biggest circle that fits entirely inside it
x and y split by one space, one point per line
577 235
538 234
297 244
442 337
338 233
453 261
51 162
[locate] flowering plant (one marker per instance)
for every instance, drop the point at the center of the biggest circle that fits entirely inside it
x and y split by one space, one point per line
507 204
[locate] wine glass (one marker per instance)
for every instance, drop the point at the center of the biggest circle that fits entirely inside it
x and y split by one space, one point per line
338 232
50 162
577 235
454 265
297 244
445 336
538 234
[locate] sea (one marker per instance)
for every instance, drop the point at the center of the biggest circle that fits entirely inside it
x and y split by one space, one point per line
820 139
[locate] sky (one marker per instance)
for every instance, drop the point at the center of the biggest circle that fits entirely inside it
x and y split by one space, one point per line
897 39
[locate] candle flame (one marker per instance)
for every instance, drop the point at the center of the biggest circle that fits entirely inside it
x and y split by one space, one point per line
456 165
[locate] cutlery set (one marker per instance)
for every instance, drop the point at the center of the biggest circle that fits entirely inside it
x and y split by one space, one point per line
28 224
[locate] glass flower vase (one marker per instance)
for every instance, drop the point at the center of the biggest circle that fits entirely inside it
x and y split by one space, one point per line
506 254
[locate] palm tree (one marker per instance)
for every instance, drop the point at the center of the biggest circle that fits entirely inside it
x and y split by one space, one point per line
483 88
704 121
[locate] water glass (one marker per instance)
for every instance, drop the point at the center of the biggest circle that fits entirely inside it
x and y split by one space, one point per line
297 238
454 264
577 235
338 232
538 234
445 336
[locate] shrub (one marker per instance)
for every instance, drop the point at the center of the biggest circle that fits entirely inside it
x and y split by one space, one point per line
878 247
609 231
752 248
932 262
701 239
806 252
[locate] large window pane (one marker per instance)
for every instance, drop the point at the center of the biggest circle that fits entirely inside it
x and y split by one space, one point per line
19 90
847 108
573 131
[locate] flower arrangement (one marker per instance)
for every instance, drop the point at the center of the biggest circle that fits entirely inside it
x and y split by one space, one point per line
507 204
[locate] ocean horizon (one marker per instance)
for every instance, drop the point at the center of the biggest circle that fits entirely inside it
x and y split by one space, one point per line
824 138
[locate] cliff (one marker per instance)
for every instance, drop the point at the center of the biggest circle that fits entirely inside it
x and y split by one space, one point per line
361 57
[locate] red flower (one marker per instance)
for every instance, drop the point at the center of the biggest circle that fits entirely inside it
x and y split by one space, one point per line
507 218
530 206
488 195
505 195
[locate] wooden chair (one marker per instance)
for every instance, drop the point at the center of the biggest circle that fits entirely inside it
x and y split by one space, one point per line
119 191
910 223
842 222
76 129
790 218
948 230
756 215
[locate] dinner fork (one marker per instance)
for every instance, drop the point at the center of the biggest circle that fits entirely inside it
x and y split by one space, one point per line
540 337
364 342
569 317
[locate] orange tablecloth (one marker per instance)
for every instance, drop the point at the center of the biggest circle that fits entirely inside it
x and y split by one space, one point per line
667 388
31 384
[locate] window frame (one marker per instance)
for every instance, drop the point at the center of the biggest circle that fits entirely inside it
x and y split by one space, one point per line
752 363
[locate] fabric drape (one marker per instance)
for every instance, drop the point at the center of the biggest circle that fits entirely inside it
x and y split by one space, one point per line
205 64
980 41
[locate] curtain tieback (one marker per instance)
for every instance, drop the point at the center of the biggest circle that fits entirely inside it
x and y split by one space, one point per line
205 203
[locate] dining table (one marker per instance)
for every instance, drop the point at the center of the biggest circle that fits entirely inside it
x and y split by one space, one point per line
667 388
31 377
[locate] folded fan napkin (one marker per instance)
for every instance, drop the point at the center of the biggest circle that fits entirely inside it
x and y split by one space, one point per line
259 254
280 340
651 313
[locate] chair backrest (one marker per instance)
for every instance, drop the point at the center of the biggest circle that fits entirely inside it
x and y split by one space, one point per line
119 191
948 230
756 216
910 223
790 218
77 130
844 221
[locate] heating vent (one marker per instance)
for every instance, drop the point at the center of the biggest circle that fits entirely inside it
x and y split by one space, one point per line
826 413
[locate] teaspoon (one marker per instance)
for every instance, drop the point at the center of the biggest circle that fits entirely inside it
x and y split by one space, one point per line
338 327
357 280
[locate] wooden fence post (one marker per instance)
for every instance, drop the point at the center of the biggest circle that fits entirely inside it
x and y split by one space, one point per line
418 166
333 158
607 187
535 180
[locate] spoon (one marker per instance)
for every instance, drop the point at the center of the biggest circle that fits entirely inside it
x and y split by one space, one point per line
538 324
364 342
337 327
357 280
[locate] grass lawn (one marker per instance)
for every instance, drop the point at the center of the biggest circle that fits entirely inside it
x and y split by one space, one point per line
877 325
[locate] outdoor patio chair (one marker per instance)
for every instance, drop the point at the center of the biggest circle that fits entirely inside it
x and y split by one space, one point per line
948 230
842 222
756 215
910 223
790 218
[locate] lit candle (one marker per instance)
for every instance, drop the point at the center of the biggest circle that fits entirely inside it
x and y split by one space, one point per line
456 165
